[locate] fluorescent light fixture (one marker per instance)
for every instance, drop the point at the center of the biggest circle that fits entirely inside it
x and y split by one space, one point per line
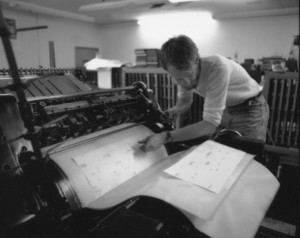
46 10
104 6
175 19
259 13
221 1
199 25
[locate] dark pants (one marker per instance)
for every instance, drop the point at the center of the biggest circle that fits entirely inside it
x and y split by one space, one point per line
249 119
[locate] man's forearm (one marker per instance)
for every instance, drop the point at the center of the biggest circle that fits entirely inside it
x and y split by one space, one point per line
193 131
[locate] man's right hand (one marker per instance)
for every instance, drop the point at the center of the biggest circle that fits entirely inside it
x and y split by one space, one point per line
171 113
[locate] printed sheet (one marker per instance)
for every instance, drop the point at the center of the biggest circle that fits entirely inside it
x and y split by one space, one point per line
208 166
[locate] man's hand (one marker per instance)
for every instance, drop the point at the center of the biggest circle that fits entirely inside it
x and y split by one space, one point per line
152 143
171 113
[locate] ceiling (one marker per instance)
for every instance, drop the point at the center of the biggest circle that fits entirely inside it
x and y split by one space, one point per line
117 11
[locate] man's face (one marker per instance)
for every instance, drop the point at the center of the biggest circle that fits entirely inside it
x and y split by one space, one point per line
187 79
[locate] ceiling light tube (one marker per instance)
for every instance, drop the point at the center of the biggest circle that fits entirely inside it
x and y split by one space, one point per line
103 6
46 11
260 13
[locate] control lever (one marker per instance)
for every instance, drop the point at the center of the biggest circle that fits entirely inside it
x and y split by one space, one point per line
148 96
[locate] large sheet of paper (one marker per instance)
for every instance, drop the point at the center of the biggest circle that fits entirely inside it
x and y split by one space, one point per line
106 169
108 166
208 166
99 162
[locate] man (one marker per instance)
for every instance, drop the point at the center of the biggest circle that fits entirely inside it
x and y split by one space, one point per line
232 99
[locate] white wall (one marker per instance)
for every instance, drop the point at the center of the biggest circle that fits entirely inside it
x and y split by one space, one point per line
248 38
31 48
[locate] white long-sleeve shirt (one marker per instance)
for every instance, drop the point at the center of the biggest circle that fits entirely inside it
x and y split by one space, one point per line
222 83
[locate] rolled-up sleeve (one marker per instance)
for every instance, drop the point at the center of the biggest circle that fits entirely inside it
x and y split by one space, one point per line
216 94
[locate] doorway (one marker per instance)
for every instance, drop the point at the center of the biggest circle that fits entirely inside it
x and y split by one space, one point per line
83 55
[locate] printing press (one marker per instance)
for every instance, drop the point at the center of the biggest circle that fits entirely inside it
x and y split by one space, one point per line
93 180
71 167
39 193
